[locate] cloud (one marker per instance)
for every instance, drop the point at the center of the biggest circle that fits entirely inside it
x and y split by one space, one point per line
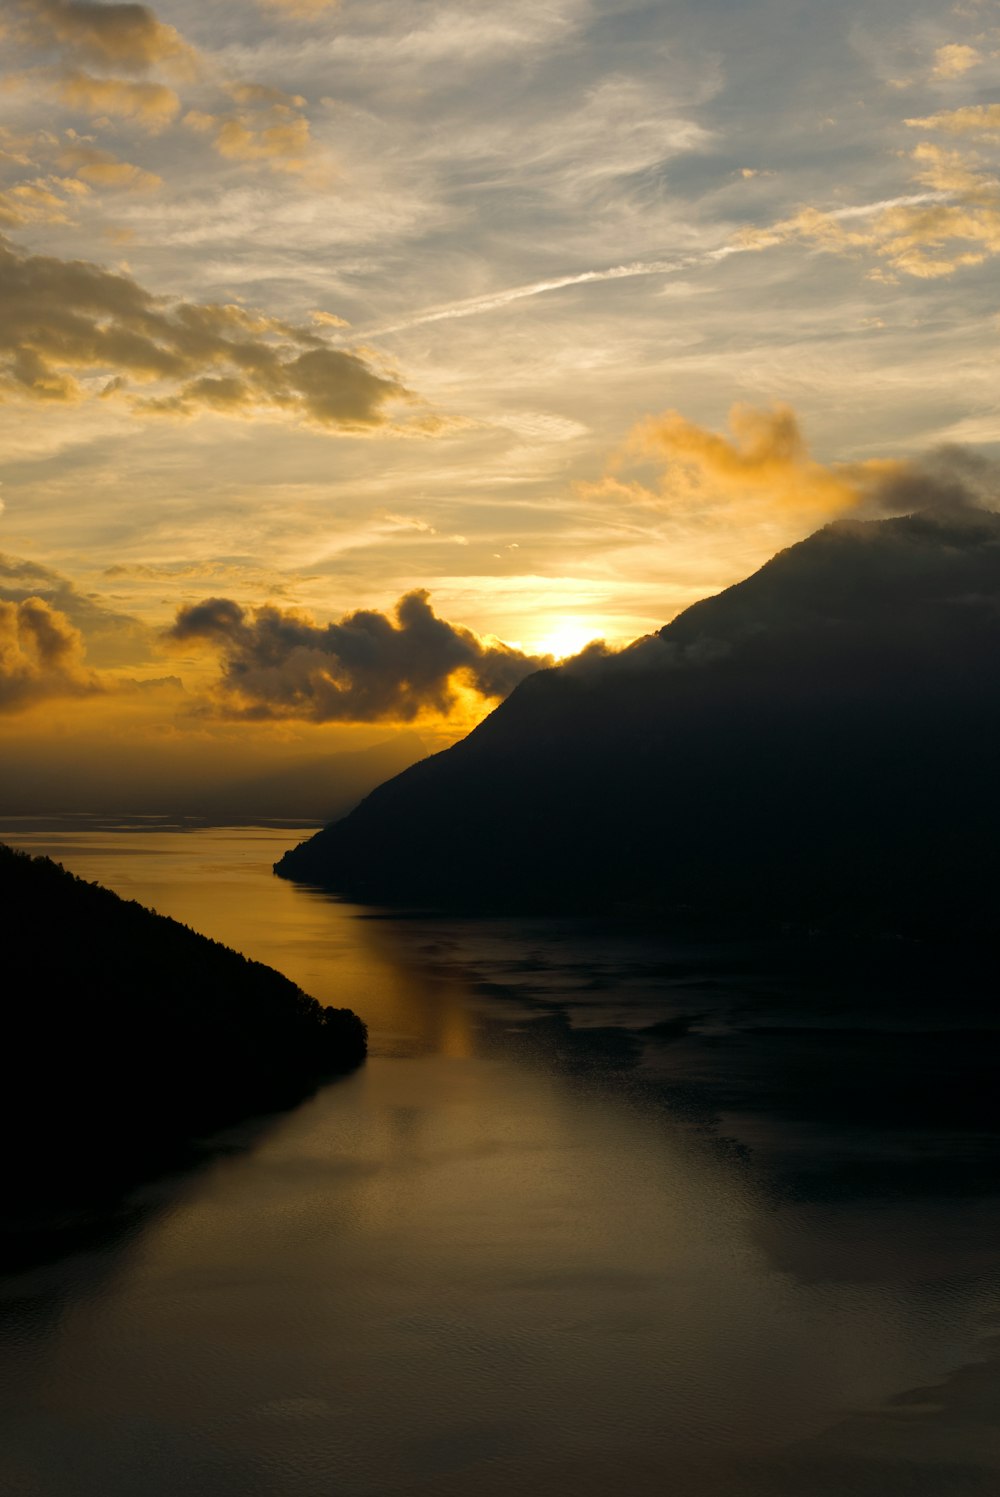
102 169
41 655
275 134
151 105
981 120
948 478
760 476
764 462
267 125
955 223
954 59
111 638
367 667
37 202
61 319
129 37
928 237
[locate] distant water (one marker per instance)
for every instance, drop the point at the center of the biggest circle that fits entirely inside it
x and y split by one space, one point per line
599 1216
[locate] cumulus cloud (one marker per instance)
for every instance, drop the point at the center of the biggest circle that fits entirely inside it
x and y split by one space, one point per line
129 37
366 667
41 655
64 319
112 638
765 458
761 475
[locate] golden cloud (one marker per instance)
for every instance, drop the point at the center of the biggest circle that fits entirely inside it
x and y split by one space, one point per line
64 318
954 59
41 655
151 105
23 149
954 222
127 37
35 202
957 223
102 169
764 463
975 119
269 128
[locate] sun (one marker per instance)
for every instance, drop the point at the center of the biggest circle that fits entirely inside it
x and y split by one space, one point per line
568 637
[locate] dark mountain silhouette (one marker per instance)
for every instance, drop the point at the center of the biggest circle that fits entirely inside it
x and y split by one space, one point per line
817 743
127 1034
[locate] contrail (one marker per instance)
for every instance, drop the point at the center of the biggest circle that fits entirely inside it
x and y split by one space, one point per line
474 305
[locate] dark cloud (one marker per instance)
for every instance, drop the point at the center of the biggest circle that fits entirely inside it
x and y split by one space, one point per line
61 318
41 655
112 638
948 476
366 667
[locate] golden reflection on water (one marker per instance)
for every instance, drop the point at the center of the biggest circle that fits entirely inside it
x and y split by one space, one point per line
219 882
452 1273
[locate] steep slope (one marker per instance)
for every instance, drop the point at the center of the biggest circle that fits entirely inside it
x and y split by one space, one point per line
817 742
126 1034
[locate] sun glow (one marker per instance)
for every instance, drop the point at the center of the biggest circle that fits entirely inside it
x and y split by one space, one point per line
568 637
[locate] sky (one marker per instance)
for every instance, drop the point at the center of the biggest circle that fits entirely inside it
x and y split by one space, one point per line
357 358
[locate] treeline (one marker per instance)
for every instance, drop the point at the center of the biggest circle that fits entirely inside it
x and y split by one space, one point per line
127 1034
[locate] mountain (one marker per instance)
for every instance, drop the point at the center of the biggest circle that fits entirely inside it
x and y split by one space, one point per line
127 1035
817 743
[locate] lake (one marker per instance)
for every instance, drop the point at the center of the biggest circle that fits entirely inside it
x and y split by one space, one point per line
602 1213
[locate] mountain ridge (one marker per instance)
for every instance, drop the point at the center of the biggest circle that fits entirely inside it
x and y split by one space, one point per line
814 743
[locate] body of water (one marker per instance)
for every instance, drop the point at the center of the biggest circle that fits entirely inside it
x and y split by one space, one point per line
601 1214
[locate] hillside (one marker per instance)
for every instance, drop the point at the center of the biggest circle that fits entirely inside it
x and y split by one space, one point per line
127 1034
816 743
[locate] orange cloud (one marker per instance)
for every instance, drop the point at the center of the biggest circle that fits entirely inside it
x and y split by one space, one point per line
975 119
41 655
763 466
35 202
267 127
954 59
102 169
151 105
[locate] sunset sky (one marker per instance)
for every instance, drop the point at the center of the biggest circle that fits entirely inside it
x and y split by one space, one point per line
556 316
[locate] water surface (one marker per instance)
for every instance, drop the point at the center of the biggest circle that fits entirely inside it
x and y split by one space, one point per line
587 1221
